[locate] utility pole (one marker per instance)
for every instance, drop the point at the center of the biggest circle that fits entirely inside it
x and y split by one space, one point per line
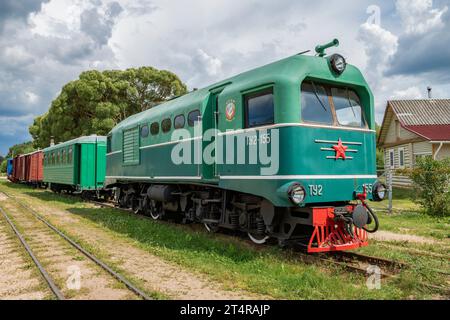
389 182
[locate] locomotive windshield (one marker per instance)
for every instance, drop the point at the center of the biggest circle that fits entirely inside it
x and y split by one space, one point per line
331 105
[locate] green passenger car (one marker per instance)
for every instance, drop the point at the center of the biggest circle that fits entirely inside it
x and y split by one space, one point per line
78 165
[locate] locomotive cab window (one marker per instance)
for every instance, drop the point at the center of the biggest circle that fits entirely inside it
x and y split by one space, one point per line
331 105
259 109
315 105
348 108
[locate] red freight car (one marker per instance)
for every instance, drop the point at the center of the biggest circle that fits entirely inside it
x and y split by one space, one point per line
21 168
15 168
35 172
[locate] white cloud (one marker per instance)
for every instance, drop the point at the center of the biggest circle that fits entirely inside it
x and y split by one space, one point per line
408 93
380 45
419 16
207 41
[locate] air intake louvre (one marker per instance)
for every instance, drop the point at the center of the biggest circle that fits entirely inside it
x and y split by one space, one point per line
131 146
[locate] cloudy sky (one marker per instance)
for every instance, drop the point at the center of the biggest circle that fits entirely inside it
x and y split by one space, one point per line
402 46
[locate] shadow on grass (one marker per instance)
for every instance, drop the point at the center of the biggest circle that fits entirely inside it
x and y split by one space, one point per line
151 233
50 196
164 235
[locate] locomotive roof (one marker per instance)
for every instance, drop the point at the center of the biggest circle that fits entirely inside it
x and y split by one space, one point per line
86 139
287 70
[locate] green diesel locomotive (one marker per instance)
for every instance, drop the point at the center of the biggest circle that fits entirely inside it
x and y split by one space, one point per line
284 151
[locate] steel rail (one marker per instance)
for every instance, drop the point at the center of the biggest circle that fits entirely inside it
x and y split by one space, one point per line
100 263
51 283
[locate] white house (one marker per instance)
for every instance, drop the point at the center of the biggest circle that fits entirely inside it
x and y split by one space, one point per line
412 129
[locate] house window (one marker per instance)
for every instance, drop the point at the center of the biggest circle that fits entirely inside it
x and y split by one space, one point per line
259 109
401 157
391 159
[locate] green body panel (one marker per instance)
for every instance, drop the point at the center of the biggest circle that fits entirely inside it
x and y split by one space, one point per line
87 168
300 155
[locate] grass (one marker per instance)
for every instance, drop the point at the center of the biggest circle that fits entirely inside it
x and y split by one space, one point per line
269 271
408 218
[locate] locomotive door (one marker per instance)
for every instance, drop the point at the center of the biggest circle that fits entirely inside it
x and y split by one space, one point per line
210 126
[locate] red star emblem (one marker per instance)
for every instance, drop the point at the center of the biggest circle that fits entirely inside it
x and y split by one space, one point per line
340 150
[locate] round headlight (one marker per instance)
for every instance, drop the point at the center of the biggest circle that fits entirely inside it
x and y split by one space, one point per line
379 191
296 193
338 63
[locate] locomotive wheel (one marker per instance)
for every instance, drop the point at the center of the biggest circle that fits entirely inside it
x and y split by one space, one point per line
155 214
212 228
258 238
135 205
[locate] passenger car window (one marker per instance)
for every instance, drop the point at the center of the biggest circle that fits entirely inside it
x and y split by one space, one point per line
63 160
348 108
178 122
315 105
193 117
108 144
154 128
166 124
259 109
70 155
144 131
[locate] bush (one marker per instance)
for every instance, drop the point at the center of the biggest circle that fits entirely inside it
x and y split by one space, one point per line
431 181
3 166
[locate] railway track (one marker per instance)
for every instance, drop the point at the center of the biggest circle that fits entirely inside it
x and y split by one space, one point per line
350 261
44 272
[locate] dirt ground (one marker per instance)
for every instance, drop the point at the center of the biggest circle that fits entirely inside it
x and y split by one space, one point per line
151 272
391 236
76 276
17 279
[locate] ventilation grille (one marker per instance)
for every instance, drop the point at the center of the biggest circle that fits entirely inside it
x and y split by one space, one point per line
131 146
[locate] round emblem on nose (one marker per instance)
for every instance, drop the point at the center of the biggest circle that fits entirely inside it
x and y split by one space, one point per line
230 110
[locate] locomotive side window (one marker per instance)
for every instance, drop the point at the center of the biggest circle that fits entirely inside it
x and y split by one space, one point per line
166 124
144 131
193 117
154 128
179 121
348 108
259 109
315 105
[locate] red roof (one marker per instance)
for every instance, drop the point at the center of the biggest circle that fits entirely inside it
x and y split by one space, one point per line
439 132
